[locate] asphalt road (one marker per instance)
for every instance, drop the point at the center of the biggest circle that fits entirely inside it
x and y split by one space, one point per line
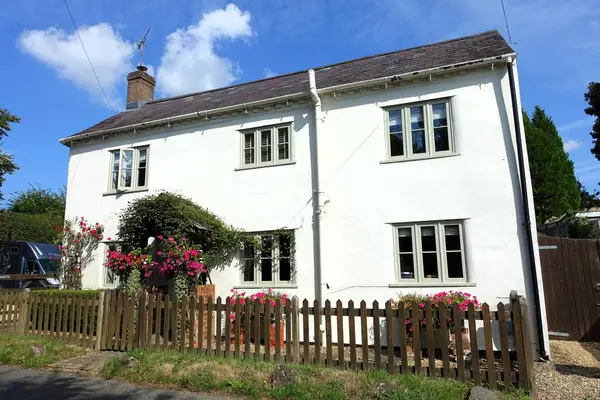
24 384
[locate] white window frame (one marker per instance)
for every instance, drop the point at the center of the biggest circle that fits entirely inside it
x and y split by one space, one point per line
429 131
135 169
105 282
441 253
275 282
274 146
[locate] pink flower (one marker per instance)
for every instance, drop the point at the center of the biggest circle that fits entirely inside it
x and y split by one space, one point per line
108 238
273 303
159 237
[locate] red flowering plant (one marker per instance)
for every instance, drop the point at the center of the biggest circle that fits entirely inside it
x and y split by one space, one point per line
179 259
80 240
124 263
267 295
438 300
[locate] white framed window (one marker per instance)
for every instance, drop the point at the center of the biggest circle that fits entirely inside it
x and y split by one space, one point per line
430 252
268 260
128 169
269 145
419 130
110 278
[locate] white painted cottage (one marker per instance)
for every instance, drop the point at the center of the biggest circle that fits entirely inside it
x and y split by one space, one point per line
397 173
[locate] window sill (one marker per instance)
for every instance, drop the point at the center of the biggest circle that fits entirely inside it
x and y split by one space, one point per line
118 192
396 160
279 286
432 284
264 166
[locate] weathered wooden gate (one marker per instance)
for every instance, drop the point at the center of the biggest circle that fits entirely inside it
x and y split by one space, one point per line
571 274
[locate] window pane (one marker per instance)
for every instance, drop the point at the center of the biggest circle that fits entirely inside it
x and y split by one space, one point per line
142 158
266 246
441 139
430 267
142 168
418 142
452 237
416 118
283 135
285 270
126 168
407 266
396 145
454 260
116 155
395 121
283 152
265 146
266 269
405 240
439 115
285 249
249 270
428 242
283 143
141 177
249 140
249 156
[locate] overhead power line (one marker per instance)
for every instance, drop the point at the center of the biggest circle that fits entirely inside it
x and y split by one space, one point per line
506 22
88 57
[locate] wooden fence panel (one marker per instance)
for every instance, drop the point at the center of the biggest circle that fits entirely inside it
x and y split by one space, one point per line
351 324
328 334
376 335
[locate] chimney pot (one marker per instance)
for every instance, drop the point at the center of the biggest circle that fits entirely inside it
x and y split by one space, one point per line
140 87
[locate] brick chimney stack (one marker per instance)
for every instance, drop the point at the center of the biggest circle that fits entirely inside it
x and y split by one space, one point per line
140 87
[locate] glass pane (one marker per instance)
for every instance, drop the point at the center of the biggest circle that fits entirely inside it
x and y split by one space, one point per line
116 157
127 159
142 158
266 246
396 145
265 153
418 142
249 156
249 140
405 240
265 138
110 276
430 267
452 234
115 179
285 249
441 139
395 121
283 135
454 260
266 269
126 178
283 152
416 118
407 266
439 115
285 270
249 251
141 177
249 270
428 238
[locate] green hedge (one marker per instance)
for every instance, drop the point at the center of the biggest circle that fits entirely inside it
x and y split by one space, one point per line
94 293
30 227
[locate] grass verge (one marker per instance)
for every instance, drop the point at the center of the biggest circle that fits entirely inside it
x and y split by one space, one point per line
14 350
252 379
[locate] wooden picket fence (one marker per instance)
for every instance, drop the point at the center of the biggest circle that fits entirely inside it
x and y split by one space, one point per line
290 332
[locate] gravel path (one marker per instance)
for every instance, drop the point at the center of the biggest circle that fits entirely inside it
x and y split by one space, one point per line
573 373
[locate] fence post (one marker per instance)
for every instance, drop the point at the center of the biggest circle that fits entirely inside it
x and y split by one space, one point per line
99 319
295 330
527 345
24 313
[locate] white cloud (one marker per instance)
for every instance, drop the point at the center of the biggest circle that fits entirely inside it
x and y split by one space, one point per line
268 73
571 145
61 51
189 62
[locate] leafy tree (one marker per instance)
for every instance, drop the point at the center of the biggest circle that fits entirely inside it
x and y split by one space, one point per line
36 200
555 189
169 214
7 163
588 199
592 96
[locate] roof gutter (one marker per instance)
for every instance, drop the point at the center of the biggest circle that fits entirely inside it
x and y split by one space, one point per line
205 113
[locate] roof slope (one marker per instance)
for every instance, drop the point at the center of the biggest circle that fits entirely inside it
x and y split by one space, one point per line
455 51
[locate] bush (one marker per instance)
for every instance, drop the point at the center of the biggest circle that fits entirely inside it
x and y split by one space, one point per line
169 214
30 227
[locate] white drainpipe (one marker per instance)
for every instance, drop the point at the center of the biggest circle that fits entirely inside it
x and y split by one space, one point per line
316 202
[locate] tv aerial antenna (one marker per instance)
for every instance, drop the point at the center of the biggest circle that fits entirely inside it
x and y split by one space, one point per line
141 46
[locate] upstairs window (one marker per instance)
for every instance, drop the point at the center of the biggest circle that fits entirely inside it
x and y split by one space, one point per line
266 146
267 260
419 131
430 252
128 169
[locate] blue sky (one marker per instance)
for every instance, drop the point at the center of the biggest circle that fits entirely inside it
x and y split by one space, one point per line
196 45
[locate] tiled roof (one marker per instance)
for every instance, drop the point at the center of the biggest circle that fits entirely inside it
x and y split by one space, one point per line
450 52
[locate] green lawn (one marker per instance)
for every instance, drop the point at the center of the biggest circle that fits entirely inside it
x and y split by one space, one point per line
251 379
14 350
